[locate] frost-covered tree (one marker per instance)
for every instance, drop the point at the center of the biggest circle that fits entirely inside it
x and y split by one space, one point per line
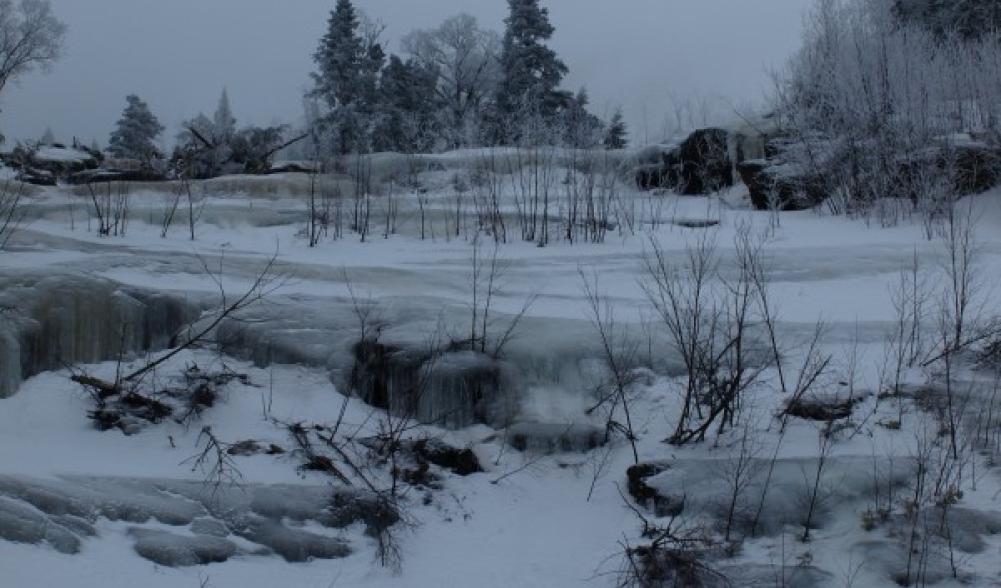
349 59
136 132
30 37
968 18
224 122
531 71
616 132
465 59
581 129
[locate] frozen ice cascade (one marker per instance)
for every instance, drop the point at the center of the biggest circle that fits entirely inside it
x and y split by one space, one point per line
51 321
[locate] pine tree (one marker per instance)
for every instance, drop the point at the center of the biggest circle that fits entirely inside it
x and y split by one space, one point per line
224 124
615 134
136 132
531 71
48 138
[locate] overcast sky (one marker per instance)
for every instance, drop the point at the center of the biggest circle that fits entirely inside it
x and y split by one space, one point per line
178 55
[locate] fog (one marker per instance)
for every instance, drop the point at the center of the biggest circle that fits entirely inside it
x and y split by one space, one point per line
643 55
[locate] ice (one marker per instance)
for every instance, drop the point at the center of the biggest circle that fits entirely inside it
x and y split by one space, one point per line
846 482
173 550
207 526
295 545
22 523
56 320
63 511
555 437
768 576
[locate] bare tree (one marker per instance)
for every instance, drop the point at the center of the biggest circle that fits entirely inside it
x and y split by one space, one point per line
708 318
30 37
619 354
465 58
11 209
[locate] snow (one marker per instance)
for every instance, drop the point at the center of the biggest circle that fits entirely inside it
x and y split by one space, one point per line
61 154
532 518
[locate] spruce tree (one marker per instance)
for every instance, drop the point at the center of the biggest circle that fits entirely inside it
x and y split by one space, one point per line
48 138
346 79
136 132
339 57
615 134
531 71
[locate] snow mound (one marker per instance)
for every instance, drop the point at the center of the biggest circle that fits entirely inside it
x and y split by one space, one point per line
284 520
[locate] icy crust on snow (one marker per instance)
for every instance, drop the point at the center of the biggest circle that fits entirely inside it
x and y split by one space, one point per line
849 486
50 321
188 523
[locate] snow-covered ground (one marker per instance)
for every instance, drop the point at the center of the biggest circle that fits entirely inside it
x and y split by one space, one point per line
531 519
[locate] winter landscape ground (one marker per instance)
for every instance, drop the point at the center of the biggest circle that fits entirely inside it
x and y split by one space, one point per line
541 516
449 328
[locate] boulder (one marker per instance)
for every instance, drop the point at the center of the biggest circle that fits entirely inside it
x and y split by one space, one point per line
663 505
705 163
453 389
973 165
701 164
777 184
462 462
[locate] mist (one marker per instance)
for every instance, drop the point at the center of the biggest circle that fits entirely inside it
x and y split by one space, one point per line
643 55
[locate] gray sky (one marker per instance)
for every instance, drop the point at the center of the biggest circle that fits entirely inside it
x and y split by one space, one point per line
178 55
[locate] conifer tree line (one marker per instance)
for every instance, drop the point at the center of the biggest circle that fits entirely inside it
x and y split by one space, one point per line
971 19
455 85
452 86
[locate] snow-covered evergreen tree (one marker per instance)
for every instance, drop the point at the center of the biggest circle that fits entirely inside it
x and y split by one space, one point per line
48 137
136 132
615 134
531 71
